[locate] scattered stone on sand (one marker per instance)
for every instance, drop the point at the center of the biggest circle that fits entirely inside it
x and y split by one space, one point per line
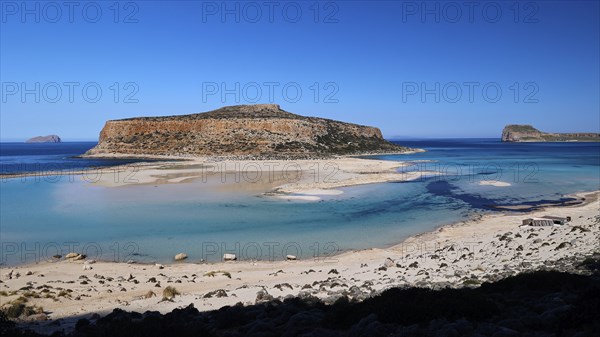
229 257
263 296
216 293
180 257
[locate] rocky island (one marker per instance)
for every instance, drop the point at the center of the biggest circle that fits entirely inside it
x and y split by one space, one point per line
527 133
44 139
251 131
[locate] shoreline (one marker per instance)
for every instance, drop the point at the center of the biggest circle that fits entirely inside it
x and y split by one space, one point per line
291 157
586 198
199 167
467 253
309 177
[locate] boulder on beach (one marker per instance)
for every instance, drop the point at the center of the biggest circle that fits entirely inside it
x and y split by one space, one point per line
229 257
75 257
290 257
39 317
262 296
180 257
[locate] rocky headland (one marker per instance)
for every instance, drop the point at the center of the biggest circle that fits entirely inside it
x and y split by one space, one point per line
527 133
248 131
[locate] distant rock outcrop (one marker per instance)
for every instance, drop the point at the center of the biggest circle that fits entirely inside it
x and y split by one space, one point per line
44 139
258 131
527 133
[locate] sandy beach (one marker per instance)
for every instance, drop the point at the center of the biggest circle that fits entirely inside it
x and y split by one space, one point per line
487 248
288 179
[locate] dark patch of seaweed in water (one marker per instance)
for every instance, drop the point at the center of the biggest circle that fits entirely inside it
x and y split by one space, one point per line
446 189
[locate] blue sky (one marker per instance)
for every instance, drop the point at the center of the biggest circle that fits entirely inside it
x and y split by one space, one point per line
356 61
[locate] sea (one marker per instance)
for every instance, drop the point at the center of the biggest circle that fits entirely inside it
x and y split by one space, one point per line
42 216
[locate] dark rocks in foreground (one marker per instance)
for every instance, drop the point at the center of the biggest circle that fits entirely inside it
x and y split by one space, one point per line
542 303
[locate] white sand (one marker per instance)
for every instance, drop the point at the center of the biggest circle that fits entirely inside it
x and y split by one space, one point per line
321 191
294 177
494 183
299 197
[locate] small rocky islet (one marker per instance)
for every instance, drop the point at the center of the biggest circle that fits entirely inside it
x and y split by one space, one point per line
44 139
527 133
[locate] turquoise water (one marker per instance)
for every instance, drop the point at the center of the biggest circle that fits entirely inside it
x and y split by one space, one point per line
536 171
148 223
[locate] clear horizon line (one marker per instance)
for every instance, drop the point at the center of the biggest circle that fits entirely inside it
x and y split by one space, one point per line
395 138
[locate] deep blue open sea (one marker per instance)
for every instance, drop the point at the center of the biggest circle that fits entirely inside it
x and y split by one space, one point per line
45 157
43 217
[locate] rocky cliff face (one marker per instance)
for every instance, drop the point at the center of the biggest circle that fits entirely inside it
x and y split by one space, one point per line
263 130
527 133
44 139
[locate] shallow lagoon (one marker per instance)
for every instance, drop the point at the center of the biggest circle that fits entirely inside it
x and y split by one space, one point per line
206 219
